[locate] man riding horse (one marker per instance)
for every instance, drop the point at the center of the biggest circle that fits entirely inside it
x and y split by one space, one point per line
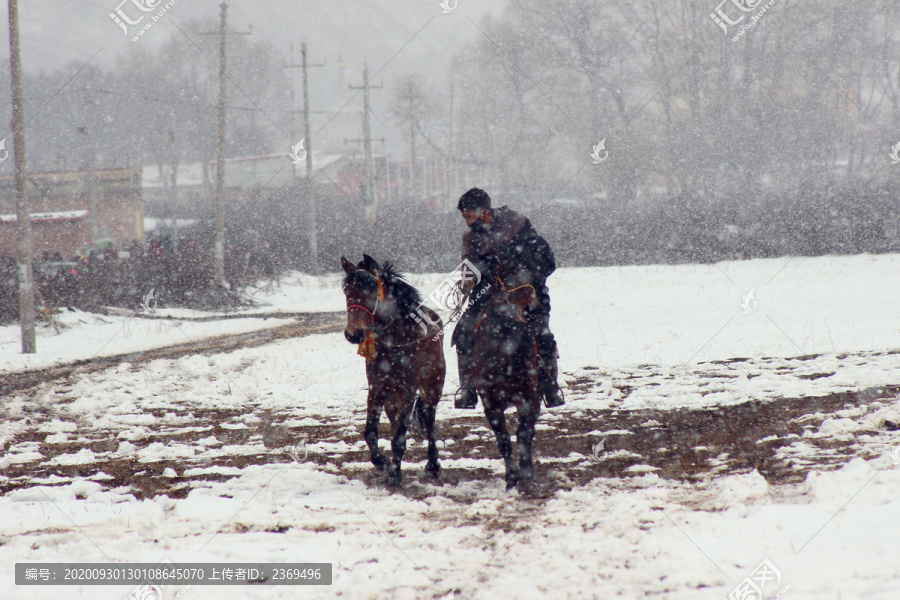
494 238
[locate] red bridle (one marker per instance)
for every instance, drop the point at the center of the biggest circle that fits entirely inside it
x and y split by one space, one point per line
380 299
364 309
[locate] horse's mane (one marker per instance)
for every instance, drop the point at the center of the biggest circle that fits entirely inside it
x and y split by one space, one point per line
408 298
405 295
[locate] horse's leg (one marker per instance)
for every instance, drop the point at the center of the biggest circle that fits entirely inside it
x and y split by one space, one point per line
429 412
497 421
525 436
399 410
528 415
373 415
433 468
431 373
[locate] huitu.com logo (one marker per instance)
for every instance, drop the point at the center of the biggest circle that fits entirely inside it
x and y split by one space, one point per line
766 575
448 5
147 299
895 153
299 451
450 295
124 20
598 452
296 150
600 147
723 20
749 302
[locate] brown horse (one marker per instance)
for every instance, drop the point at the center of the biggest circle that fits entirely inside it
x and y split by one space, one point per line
401 358
505 366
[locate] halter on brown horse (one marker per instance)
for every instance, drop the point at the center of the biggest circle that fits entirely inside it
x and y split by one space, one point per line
400 358
505 367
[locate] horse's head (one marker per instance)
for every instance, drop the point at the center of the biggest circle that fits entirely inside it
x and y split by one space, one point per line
516 294
364 291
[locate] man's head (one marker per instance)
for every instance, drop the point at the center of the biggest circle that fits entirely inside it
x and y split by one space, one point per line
475 205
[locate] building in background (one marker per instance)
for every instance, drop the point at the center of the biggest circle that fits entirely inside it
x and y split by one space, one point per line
60 207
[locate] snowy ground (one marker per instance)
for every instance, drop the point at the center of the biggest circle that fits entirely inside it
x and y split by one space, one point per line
83 335
189 459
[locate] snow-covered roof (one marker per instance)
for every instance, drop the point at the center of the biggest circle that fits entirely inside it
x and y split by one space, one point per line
321 160
272 170
190 174
64 215
243 171
152 224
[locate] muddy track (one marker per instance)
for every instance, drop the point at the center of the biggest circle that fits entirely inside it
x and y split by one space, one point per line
152 316
780 438
306 324
688 445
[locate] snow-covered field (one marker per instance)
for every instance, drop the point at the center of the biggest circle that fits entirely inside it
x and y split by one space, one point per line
85 335
187 459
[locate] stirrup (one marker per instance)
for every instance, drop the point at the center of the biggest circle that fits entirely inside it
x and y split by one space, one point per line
560 398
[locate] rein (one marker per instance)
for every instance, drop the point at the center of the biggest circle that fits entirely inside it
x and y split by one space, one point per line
515 289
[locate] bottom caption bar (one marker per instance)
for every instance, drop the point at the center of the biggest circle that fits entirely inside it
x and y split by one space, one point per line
168 573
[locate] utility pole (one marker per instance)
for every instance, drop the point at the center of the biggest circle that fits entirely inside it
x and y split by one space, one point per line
412 143
219 262
367 136
23 216
173 147
173 183
219 254
88 130
452 166
291 65
310 190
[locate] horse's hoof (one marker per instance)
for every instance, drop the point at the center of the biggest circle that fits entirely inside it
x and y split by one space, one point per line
511 480
393 481
529 488
433 470
380 463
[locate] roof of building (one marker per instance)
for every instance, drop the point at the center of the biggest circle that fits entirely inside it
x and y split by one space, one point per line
64 215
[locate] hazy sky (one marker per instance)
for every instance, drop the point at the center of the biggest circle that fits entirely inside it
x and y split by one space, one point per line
57 31
393 36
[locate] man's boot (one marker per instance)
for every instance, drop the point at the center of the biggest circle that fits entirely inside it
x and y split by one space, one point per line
467 397
549 387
